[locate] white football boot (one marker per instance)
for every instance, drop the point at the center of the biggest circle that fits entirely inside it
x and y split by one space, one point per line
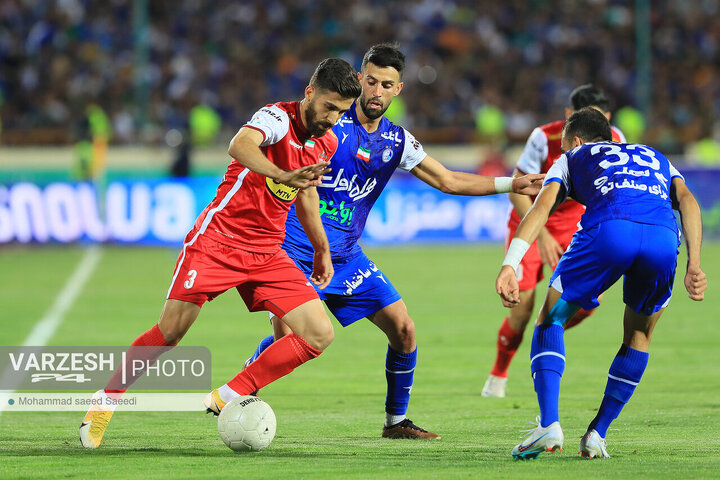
494 387
541 439
96 420
592 445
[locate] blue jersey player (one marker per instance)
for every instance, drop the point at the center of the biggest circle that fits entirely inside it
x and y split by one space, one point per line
370 149
628 230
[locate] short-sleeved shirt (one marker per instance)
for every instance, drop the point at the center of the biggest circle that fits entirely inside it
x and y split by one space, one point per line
618 182
249 210
541 151
361 168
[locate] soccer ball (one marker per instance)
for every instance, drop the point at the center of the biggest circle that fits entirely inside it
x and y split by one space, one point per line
247 423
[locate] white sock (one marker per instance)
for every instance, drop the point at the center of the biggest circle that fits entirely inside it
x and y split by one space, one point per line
103 401
391 419
227 393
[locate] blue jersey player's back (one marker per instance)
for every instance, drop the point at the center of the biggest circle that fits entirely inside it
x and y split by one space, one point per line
618 182
361 167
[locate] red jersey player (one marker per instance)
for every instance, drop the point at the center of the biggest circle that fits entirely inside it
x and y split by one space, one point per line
279 156
539 154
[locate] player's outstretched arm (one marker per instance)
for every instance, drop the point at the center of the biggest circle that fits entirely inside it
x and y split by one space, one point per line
245 148
307 208
549 248
506 284
436 175
691 220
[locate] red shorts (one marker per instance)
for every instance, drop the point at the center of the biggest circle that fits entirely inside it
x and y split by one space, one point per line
530 271
266 281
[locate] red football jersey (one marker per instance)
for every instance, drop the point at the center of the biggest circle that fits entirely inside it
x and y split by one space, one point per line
249 210
540 152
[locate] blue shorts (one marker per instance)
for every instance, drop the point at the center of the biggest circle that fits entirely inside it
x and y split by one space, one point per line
646 255
357 289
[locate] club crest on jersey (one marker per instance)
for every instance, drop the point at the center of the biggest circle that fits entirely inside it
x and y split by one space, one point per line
363 154
282 192
387 154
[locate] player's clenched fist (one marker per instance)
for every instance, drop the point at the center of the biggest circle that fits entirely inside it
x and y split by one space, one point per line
308 176
507 287
695 283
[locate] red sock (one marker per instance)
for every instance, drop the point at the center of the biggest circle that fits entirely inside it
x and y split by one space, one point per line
151 338
579 316
279 359
507 344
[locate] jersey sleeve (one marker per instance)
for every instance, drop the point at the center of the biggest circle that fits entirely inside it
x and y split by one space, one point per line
272 121
535 152
674 172
618 136
413 153
559 173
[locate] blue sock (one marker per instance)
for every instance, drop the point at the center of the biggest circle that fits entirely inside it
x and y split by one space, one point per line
264 343
399 370
625 373
547 363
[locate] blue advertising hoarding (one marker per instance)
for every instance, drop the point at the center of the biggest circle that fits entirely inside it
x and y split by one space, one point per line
162 211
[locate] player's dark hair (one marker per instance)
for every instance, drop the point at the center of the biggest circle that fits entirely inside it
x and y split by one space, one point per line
385 55
336 75
589 124
589 95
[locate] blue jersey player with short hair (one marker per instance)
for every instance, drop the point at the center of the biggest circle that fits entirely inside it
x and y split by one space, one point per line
370 149
628 230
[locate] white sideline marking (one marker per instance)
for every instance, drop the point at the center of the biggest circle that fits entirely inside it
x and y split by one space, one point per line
53 318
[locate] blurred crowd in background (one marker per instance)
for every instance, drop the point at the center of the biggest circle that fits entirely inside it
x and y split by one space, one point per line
477 70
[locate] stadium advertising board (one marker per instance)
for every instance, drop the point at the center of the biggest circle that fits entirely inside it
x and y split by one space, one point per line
162 211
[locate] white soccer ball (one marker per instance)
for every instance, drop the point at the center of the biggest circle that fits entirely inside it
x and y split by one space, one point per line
247 423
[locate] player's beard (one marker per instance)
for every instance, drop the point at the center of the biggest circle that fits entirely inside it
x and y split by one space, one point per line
373 113
314 127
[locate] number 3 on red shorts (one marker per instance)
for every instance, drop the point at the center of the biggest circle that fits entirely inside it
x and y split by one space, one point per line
191 279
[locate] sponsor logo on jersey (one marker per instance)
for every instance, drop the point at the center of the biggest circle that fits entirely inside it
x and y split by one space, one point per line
392 136
355 191
340 213
282 192
387 154
271 113
358 277
345 135
363 154
295 144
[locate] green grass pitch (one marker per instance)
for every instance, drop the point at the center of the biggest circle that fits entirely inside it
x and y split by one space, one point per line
330 411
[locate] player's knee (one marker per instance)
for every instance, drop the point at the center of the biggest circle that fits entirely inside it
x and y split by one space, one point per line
406 333
321 335
173 331
176 319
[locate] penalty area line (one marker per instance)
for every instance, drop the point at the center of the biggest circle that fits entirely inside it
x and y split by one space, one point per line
45 328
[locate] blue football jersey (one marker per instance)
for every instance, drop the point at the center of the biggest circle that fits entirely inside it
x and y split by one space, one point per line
618 181
361 167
